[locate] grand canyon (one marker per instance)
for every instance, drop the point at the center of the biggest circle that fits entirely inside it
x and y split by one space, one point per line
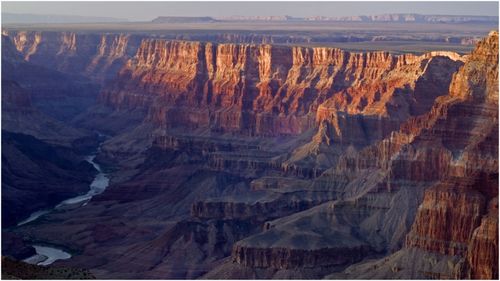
174 151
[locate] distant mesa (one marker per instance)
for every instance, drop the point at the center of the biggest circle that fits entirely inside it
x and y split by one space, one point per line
409 18
260 18
183 20
393 18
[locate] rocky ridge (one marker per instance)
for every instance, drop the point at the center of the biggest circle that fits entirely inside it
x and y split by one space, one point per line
268 90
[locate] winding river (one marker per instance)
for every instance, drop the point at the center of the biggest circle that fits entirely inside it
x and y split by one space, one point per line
46 255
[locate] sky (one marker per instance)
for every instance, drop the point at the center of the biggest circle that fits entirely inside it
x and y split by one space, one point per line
145 11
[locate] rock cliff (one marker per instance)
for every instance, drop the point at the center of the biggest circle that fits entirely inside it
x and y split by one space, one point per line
441 166
456 221
57 94
456 217
98 56
274 90
39 153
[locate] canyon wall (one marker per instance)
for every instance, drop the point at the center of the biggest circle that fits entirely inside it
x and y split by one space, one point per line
457 217
272 90
98 56
289 159
41 165
441 168
254 89
58 94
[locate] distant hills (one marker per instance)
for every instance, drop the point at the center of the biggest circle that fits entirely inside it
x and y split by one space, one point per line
390 18
183 19
11 18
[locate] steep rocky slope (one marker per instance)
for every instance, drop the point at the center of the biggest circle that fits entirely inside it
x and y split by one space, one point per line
19 115
41 165
56 94
262 89
38 175
98 56
453 149
266 161
270 90
457 220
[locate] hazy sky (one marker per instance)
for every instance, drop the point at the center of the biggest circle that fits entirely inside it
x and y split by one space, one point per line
149 10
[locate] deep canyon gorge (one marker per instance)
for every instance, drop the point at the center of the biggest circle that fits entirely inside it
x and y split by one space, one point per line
230 159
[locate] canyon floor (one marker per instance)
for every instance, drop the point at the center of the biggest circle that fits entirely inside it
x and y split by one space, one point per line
304 153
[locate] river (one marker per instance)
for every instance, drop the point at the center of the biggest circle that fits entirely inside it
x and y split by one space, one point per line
46 255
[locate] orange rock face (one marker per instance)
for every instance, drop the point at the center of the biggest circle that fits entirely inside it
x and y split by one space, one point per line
273 90
453 150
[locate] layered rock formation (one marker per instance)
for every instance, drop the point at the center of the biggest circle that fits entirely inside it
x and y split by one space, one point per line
458 209
98 56
482 252
451 219
272 90
452 148
56 94
286 258
248 160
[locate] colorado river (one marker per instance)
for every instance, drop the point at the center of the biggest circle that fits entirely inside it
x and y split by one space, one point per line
46 255
98 185
34 216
